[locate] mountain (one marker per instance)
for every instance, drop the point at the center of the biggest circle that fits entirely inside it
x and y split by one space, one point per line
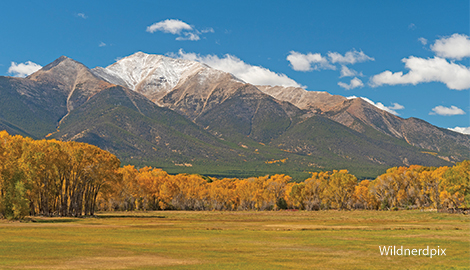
217 101
30 108
71 78
150 75
360 115
128 124
307 100
34 106
185 116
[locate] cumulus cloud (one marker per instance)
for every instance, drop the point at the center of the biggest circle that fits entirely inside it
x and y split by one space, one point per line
189 36
423 40
391 109
23 69
251 74
315 61
447 111
463 130
180 28
453 75
169 26
354 83
456 47
350 57
308 62
102 44
396 106
347 72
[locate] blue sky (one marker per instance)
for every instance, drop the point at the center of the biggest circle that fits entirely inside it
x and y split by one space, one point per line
348 48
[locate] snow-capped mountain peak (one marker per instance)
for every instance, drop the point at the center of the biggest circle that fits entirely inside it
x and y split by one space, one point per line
152 75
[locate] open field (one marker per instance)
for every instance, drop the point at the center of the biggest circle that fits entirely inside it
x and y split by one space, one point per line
236 240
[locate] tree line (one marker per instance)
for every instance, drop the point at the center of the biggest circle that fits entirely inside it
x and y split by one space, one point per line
399 188
55 178
52 178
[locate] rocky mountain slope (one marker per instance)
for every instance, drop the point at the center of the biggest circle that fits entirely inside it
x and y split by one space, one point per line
30 108
72 79
359 114
307 100
184 116
154 75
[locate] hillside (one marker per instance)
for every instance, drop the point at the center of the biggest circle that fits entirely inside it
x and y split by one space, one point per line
184 116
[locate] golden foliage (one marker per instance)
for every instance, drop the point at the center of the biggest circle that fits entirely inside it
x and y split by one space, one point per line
49 177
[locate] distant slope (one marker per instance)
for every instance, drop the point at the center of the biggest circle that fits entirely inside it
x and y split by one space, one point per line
71 78
33 106
360 115
303 99
30 108
152 75
337 145
450 145
184 116
142 133
129 125
229 108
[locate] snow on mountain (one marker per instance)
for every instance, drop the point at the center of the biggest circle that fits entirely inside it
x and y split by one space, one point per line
153 75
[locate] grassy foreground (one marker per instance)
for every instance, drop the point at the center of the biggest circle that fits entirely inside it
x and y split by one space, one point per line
236 240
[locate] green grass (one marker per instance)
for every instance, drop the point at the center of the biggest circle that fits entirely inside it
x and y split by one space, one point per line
235 240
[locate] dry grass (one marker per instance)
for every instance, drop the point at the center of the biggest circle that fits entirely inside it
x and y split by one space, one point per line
113 262
235 240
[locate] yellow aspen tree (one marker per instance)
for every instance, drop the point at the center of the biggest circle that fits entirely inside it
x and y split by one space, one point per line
340 189
455 187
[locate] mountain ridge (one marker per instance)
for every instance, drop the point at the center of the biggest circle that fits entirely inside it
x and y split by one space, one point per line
71 77
220 125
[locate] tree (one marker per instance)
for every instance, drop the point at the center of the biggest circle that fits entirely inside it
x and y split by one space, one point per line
13 191
455 186
313 191
363 197
340 189
276 187
20 204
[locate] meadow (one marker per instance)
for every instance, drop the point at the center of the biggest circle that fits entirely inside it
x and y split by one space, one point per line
236 240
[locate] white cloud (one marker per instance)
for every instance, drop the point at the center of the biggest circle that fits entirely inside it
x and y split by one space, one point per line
189 36
347 72
308 62
102 44
251 74
455 47
396 106
82 15
315 61
436 69
23 69
169 26
350 57
355 82
390 109
447 111
180 28
423 40
208 30
463 130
